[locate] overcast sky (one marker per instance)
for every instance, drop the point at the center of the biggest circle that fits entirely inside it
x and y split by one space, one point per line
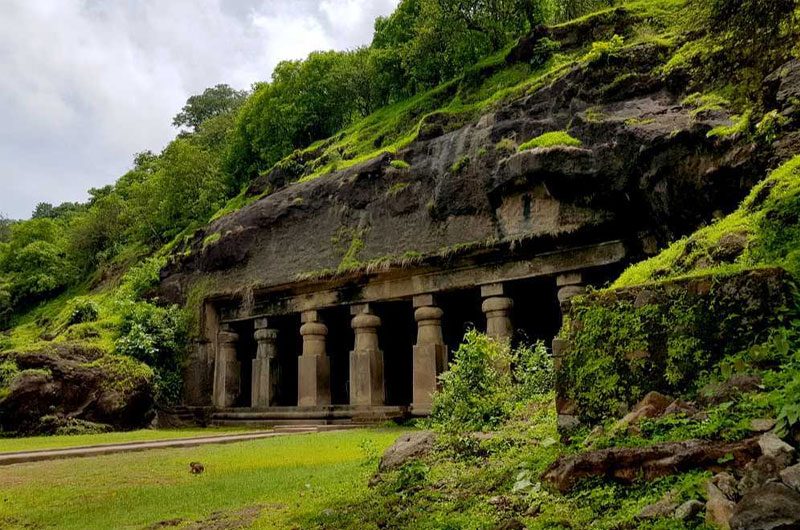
85 84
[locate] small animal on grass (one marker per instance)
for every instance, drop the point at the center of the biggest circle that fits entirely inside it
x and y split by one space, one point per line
195 468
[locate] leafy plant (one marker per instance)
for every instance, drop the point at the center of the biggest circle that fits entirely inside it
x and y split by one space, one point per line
603 50
475 392
83 310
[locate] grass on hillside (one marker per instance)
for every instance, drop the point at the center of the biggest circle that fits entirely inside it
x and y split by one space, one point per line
273 483
37 443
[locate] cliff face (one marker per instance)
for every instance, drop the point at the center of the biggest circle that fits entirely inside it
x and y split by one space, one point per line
646 169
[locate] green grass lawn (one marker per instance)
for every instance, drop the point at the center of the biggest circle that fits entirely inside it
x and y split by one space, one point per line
36 443
271 483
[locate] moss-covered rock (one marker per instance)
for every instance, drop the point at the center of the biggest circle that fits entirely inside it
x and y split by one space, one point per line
67 388
624 343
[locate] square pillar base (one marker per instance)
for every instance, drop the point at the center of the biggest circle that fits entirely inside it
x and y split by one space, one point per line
228 385
313 381
366 378
429 362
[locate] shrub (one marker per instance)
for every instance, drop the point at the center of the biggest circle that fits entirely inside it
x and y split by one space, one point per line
8 371
82 310
476 390
157 337
506 145
143 277
603 50
533 371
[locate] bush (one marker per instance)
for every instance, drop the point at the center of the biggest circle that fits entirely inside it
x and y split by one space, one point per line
475 393
143 277
603 50
481 389
8 371
83 310
156 336
534 373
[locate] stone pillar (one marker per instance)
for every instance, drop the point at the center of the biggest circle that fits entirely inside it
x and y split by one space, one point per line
227 369
569 285
314 366
366 359
430 353
496 307
266 368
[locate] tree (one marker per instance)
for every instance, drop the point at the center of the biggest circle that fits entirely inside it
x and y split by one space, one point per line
5 228
214 101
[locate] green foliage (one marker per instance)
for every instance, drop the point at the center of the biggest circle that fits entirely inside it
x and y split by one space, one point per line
487 382
156 336
603 50
214 101
770 125
551 139
506 145
461 164
142 277
82 310
753 28
400 164
534 374
767 219
741 126
211 239
8 371
475 391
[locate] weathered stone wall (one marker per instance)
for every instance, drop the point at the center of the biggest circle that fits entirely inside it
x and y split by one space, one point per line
618 345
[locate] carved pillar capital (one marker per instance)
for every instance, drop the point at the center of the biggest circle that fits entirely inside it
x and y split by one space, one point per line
498 320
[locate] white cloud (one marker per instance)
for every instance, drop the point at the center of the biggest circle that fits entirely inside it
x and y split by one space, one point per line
85 84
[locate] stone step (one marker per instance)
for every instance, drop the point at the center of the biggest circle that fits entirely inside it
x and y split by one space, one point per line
337 415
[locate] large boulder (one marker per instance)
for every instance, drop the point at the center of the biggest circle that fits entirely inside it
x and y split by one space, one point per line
772 506
68 386
405 448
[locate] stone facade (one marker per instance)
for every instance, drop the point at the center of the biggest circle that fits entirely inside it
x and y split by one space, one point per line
389 372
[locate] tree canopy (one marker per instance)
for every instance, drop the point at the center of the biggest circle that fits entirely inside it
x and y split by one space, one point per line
216 100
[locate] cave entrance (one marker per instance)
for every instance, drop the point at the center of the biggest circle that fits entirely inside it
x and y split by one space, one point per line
290 346
536 314
461 312
339 342
396 338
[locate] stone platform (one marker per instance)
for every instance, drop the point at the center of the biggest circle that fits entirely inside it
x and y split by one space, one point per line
341 415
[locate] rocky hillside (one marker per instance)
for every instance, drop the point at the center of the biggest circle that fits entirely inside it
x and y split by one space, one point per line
605 144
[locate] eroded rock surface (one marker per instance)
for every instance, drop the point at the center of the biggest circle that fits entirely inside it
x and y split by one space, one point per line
646 165
772 506
408 446
626 464
64 386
